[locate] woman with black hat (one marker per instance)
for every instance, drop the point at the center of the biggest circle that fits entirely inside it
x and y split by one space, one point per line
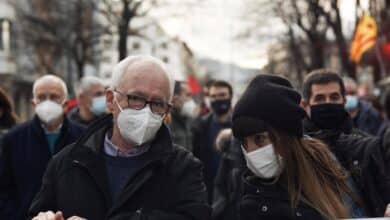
288 175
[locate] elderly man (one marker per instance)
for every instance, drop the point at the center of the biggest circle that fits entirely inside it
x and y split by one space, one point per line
126 166
91 101
28 147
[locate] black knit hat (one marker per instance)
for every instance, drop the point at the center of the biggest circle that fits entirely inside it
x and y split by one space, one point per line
268 101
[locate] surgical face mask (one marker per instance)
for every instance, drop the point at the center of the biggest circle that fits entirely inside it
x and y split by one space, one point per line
189 109
264 162
138 126
98 105
49 111
328 116
352 102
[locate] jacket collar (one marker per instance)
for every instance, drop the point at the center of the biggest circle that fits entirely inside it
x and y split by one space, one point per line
39 133
254 185
87 153
310 127
37 125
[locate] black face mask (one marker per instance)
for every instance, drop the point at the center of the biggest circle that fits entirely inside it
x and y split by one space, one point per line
328 116
221 107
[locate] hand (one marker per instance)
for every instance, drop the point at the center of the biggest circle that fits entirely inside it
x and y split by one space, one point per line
387 212
49 215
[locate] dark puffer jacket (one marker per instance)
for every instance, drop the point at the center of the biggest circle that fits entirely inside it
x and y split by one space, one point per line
270 201
363 156
168 186
227 187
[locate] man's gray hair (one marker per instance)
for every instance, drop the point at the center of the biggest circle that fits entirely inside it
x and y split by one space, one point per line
87 82
52 79
120 69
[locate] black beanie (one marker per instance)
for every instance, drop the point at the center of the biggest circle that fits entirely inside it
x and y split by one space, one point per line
268 101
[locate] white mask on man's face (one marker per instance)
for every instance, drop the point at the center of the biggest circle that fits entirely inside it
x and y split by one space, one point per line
189 109
138 126
49 111
264 162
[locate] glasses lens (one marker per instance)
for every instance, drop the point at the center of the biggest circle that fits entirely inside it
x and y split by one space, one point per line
136 102
159 107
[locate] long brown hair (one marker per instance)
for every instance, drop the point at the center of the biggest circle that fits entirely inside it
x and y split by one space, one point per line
312 174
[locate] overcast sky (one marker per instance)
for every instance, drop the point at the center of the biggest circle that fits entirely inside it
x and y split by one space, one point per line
211 28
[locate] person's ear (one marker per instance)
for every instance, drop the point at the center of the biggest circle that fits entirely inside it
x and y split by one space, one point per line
110 100
305 105
33 103
81 99
65 104
167 118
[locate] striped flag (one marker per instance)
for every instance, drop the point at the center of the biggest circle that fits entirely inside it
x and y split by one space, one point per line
364 39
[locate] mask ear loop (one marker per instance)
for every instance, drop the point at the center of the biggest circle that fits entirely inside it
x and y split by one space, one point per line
165 115
116 102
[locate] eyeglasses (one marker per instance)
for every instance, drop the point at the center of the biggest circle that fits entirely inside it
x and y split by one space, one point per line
138 103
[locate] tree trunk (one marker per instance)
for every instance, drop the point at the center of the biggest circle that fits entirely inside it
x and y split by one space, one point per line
123 28
347 65
122 44
298 59
317 44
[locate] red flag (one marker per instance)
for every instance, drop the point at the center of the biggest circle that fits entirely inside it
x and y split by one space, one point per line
194 85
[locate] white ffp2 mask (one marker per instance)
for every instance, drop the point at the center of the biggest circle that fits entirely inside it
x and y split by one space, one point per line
49 111
138 126
264 162
189 109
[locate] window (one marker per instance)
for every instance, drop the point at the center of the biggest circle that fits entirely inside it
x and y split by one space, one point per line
5 34
164 45
165 59
136 45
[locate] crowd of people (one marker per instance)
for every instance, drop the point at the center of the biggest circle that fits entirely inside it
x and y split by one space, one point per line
144 147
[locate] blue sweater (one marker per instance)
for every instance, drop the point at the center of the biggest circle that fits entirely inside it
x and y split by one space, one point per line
120 170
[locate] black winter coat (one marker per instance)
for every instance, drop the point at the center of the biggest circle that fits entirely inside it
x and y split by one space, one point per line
169 185
270 201
227 187
203 150
23 159
364 158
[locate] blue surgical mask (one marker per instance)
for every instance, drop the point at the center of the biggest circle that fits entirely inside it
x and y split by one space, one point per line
351 103
98 105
